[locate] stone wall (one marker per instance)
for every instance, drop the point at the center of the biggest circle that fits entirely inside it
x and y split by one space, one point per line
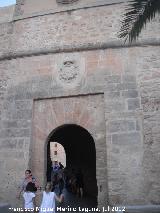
120 75
30 8
6 14
93 27
128 77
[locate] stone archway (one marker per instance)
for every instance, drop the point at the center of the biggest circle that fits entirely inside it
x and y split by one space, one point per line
80 151
86 111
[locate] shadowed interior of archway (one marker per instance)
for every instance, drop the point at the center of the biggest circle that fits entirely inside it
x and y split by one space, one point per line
80 153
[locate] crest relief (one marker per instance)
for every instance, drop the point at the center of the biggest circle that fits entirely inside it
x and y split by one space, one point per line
70 69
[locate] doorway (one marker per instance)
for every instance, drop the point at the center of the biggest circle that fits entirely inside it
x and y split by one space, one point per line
78 124
80 152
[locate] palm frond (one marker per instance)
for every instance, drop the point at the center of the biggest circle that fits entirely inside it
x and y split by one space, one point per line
137 15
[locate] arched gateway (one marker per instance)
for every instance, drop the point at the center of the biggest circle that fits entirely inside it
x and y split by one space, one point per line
80 154
78 124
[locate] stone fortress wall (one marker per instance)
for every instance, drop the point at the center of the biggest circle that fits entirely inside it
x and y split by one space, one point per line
36 48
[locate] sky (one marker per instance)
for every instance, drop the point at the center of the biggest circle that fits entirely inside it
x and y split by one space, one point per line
4 3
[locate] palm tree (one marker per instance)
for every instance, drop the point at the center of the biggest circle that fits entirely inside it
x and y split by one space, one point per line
137 15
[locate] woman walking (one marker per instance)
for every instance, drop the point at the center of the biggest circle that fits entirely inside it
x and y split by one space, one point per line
48 200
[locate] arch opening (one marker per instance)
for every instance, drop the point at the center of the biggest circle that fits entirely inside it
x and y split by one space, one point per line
80 152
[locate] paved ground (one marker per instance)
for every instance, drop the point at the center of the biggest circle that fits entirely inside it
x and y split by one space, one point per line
72 203
4 208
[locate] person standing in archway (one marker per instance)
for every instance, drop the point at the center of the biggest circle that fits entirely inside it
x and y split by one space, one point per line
61 165
55 168
60 178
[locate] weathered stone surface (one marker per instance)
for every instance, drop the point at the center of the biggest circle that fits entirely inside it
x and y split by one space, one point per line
130 94
126 139
6 14
26 84
76 28
54 87
121 125
113 79
14 132
133 104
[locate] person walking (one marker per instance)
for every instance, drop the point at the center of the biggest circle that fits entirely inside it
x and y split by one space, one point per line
29 197
48 200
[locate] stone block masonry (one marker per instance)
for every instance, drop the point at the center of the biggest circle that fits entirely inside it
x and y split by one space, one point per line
70 55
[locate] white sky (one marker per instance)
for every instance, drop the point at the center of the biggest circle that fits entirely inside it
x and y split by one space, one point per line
4 3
